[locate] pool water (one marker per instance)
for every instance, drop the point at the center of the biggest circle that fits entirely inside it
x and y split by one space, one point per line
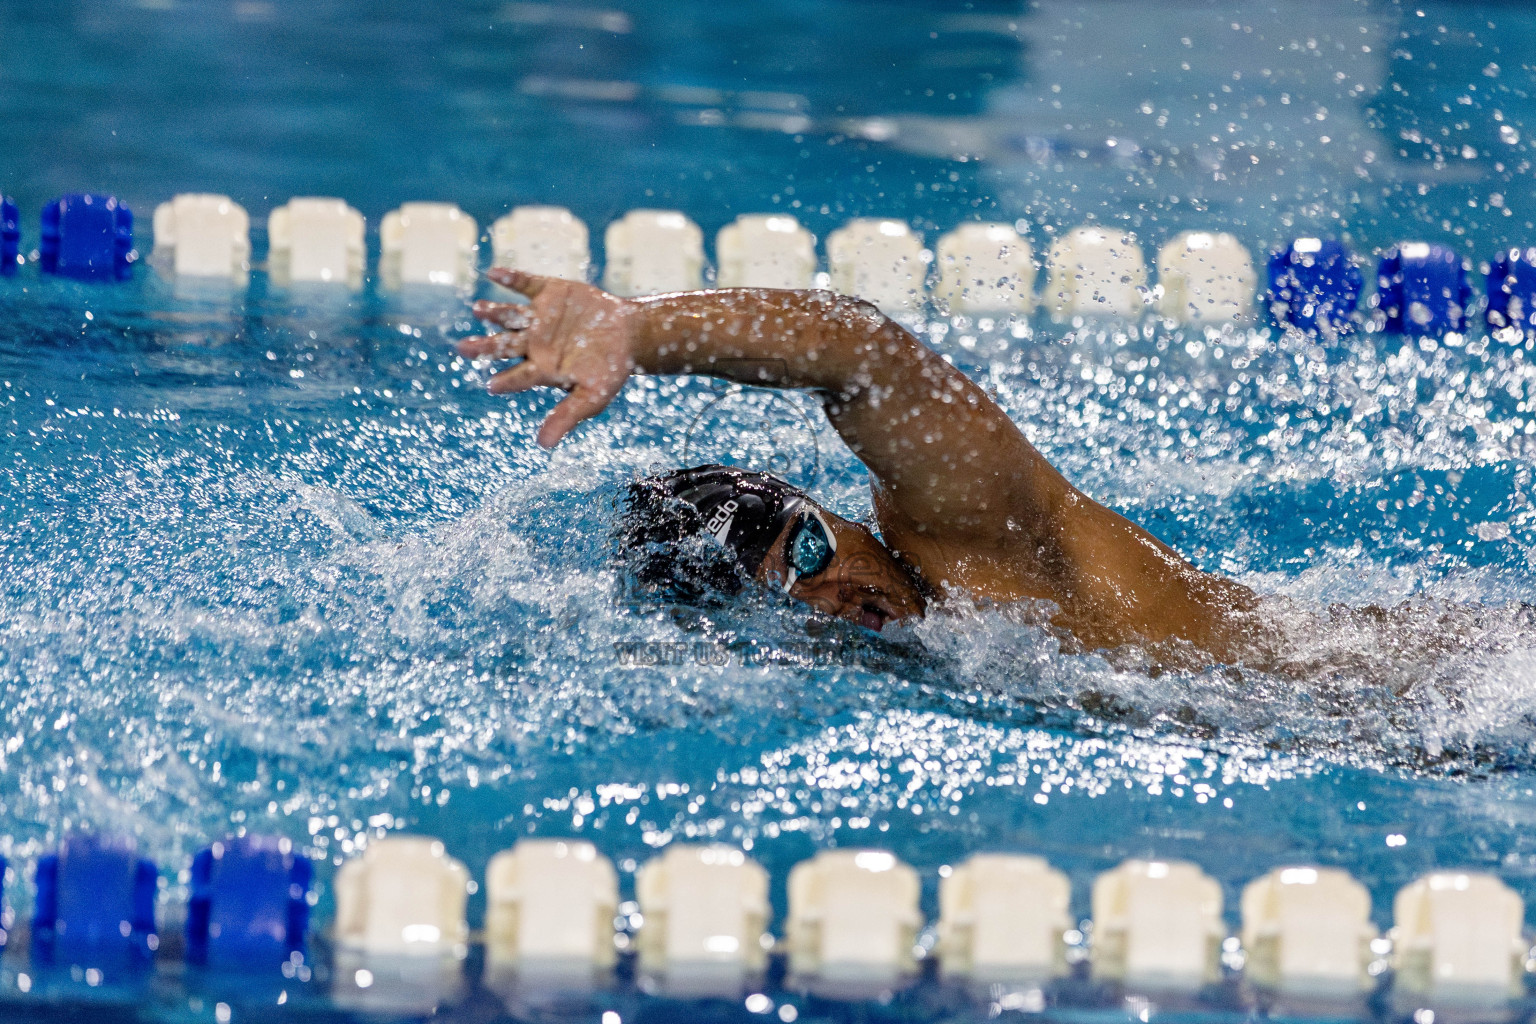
275 560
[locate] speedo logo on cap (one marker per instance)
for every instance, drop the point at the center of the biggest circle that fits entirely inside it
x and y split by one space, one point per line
720 520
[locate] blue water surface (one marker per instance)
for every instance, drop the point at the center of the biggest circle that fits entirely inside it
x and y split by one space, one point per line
273 560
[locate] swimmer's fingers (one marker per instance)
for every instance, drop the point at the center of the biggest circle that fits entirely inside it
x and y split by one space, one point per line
582 403
506 345
503 314
519 281
523 376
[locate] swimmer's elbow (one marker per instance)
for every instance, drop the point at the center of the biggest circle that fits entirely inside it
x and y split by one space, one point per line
858 331
848 310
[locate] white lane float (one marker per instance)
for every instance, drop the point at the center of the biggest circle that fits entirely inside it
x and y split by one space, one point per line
548 240
1205 277
653 251
1458 937
1157 924
705 918
1096 271
316 241
1307 932
400 930
881 261
428 244
1002 918
986 268
550 906
405 895
203 235
765 251
853 922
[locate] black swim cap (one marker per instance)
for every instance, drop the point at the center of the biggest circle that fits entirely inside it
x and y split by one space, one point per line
743 510
661 532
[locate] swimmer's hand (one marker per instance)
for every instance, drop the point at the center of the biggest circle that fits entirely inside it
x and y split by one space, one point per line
570 336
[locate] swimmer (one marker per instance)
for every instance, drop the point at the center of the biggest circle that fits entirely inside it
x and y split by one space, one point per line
967 508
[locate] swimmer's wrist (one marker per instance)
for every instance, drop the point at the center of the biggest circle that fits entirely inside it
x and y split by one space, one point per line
687 333
770 338
652 352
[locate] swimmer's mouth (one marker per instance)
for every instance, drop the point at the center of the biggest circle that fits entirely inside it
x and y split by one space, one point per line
874 612
872 617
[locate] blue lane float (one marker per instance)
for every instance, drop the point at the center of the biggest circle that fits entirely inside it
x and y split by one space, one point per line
87 237
1422 287
249 906
95 903
1314 286
10 235
1512 290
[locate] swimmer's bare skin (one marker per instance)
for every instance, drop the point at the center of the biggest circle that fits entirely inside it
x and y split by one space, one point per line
961 495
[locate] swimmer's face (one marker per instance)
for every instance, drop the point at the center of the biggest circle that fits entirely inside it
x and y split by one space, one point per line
839 568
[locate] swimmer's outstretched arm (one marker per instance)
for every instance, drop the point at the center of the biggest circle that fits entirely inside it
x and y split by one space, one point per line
960 492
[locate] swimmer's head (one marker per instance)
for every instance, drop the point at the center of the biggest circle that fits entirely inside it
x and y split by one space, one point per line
770 532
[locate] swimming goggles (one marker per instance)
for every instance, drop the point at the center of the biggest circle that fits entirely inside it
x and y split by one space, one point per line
809 548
